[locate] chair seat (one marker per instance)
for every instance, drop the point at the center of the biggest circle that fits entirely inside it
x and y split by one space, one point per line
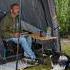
11 48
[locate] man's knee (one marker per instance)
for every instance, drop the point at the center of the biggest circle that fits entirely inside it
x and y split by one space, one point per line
22 40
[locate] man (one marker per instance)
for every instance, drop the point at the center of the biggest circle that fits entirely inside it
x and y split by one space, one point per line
10 31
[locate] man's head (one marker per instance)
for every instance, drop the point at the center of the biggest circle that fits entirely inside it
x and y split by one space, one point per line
14 9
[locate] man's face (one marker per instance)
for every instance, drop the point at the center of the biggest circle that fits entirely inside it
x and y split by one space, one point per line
15 10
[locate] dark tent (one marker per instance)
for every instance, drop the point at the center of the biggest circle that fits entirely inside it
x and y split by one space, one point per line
39 13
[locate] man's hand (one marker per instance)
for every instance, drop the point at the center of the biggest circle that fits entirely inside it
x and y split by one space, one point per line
17 34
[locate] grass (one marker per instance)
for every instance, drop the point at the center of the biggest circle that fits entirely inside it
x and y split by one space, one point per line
42 67
65 48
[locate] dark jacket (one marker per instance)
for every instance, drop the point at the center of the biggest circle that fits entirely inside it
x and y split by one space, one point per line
8 26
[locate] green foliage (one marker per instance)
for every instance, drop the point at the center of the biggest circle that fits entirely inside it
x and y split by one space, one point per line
63 16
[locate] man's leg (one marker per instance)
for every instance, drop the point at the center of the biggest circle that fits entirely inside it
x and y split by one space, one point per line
27 49
29 41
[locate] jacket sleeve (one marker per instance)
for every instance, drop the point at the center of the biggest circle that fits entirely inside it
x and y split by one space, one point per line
2 27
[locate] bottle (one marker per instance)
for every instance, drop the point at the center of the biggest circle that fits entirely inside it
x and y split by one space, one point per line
41 33
48 32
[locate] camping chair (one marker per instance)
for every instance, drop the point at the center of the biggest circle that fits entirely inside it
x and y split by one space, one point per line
9 51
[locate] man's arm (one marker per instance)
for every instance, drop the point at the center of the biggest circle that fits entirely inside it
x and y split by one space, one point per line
1 27
28 27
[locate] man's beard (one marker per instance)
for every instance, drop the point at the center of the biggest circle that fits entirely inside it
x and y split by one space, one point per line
15 14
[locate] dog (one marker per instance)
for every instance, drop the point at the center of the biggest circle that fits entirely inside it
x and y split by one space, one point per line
59 61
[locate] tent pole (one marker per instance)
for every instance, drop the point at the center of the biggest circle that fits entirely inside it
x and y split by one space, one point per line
19 28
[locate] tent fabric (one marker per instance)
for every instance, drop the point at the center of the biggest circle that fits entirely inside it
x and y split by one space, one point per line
55 24
2 49
32 11
38 13
29 27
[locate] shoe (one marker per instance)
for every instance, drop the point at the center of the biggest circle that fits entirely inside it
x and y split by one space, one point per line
29 61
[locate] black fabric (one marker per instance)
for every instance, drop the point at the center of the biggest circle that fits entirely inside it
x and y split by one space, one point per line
2 48
11 48
38 13
2 14
32 11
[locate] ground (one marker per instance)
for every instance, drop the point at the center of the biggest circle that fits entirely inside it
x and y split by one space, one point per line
65 46
65 43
